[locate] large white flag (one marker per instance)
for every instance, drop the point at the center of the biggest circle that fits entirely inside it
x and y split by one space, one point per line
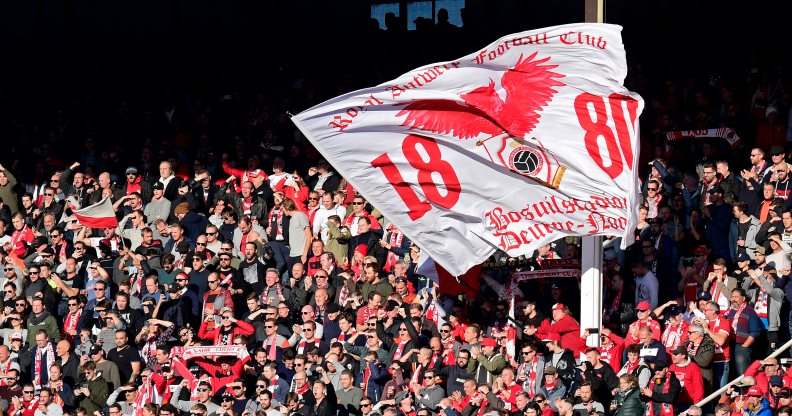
528 140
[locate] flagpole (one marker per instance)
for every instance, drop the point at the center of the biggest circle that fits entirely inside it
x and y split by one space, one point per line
591 256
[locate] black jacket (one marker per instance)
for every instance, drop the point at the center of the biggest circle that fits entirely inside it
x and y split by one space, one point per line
659 398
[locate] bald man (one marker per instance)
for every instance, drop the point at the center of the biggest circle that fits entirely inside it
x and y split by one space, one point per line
69 362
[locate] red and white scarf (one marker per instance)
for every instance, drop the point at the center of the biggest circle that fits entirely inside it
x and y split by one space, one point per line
273 383
265 293
147 393
247 204
761 304
37 364
277 214
736 319
342 338
343 295
673 335
530 381
416 374
272 348
399 350
450 357
301 346
71 321
667 409
366 378
302 390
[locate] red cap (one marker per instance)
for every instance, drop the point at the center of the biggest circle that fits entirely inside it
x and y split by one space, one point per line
643 306
488 342
558 307
552 336
255 173
700 250
755 391
362 249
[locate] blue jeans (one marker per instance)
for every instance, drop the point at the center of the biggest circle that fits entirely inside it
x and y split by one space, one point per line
742 358
281 253
720 375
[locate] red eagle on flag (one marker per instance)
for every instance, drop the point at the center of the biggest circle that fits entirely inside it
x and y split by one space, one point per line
529 86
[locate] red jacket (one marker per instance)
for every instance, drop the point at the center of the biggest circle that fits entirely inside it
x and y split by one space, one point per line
219 379
239 328
612 356
631 339
569 329
689 376
761 378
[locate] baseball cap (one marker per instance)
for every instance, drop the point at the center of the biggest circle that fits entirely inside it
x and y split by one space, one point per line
488 342
333 308
643 306
747 381
679 350
558 307
48 251
776 381
755 391
776 150
158 186
760 250
550 370
16 337
703 295
401 395
552 336
131 170
255 174
743 257
95 349
39 241
700 250
675 310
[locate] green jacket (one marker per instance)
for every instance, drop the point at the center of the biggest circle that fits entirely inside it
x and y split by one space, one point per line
46 322
361 352
484 369
8 194
338 240
631 404
98 398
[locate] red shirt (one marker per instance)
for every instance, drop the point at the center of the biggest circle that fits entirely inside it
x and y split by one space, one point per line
722 353
631 339
689 376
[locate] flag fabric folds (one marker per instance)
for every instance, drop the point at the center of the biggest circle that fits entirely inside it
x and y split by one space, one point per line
98 215
528 140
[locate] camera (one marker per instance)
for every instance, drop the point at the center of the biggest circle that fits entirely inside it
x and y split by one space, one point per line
687 261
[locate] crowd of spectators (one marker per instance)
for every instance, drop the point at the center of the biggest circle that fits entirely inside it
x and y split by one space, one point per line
233 232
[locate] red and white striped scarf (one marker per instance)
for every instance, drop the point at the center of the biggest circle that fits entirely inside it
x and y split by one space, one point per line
301 346
37 365
344 295
761 304
277 213
273 383
530 381
342 338
399 350
265 293
416 374
147 393
247 204
71 321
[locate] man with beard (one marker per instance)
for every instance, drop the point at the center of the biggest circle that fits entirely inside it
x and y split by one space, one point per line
183 306
456 374
253 269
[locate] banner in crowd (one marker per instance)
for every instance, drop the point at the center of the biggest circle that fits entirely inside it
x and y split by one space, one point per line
724 133
215 350
98 215
528 140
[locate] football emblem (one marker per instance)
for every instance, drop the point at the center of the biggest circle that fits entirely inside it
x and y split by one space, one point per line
525 160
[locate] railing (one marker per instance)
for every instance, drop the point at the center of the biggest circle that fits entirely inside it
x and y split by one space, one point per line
720 391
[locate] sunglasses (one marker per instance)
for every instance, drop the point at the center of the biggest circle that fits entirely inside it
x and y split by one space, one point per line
27 391
211 281
210 234
72 304
20 304
365 404
9 270
180 280
200 244
651 189
32 272
357 203
237 387
203 390
261 386
445 331
269 326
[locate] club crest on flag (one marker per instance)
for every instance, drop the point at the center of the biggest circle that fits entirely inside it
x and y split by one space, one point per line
528 86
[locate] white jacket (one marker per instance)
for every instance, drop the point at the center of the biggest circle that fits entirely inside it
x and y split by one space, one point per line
320 219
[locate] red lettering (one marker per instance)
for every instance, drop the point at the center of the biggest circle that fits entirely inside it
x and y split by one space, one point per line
597 127
417 208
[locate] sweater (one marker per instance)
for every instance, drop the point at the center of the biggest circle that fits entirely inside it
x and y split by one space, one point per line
691 381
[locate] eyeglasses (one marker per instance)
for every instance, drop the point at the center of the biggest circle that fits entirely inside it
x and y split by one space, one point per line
200 244
180 280
73 304
445 331
32 272
402 329
320 276
99 289
527 352
10 269
27 391
92 267
307 330
183 334
261 386
365 404
371 323
651 189
203 390
357 203
306 313
55 235
210 234
211 281
269 326
20 304
237 387
54 181
9 291
49 194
